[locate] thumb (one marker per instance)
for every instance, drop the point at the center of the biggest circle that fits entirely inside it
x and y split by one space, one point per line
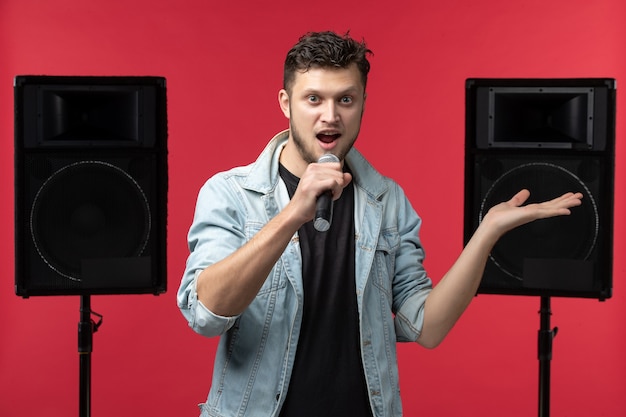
347 178
520 198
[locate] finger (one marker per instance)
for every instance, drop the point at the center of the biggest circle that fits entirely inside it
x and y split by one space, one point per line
568 200
560 205
520 198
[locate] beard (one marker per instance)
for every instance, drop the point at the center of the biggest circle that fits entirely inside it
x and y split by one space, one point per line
307 155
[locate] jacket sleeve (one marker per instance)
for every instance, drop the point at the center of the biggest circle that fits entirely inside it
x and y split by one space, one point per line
411 284
218 229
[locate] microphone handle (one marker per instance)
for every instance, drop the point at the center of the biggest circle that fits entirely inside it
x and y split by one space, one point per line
324 208
323 212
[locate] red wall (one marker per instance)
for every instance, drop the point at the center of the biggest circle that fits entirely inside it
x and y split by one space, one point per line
223 62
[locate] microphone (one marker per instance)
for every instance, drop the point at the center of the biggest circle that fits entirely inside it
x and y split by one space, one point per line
324 208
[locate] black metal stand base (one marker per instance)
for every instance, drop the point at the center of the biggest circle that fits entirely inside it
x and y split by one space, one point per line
545 339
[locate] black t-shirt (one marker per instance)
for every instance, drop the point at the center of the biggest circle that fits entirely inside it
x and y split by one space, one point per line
327 378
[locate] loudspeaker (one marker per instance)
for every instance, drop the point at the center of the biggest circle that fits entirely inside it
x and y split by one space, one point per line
90 185
549 136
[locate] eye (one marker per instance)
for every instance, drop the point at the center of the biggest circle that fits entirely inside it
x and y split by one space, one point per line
346 100
313 99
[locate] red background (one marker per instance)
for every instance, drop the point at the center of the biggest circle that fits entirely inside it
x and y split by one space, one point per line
223 63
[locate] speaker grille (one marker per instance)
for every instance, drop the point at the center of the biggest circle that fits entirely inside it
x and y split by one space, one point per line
569 237
88 210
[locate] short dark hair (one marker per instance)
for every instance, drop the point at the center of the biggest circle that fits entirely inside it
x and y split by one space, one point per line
325 50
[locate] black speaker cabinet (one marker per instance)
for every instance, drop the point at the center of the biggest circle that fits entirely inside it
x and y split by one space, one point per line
90 185
549 136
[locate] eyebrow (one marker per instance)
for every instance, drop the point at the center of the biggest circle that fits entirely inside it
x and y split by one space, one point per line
352 90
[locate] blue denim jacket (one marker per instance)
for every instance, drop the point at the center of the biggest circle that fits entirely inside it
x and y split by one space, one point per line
256 350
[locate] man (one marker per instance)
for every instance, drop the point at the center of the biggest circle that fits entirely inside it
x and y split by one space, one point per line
308 320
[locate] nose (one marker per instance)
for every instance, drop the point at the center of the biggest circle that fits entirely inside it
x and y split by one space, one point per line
329 112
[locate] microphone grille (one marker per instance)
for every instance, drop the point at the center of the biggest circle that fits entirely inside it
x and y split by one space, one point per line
327 157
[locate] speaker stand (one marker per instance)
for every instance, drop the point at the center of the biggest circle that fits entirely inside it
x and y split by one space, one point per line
545 339
86 328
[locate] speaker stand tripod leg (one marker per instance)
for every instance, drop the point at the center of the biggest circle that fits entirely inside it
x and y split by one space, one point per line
86 328
545 339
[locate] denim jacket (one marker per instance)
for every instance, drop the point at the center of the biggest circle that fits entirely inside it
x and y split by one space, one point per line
256 350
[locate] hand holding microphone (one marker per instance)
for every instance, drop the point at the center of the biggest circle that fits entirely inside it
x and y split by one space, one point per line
324 207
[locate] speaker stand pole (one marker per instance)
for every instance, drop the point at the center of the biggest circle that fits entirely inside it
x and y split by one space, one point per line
545 339
86 328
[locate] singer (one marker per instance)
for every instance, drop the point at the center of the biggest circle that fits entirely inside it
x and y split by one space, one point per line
308 320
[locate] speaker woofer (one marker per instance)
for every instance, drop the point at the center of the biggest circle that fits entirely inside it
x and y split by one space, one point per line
568 237
89 210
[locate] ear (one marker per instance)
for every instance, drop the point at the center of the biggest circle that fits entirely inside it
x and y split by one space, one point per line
283 100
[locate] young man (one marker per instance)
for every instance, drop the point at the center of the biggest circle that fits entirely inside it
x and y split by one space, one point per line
308 320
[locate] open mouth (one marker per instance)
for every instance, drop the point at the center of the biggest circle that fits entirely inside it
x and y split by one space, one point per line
328 138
